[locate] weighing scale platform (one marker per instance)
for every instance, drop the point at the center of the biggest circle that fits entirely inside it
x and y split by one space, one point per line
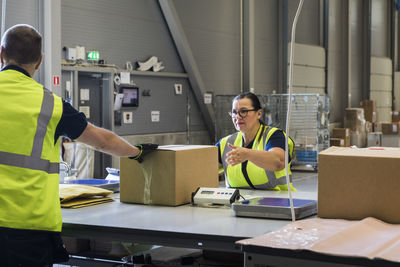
274 208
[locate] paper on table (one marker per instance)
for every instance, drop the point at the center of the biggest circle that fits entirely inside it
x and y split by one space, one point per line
369 238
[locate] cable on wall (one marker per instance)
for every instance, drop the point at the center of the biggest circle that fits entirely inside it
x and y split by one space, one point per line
292 42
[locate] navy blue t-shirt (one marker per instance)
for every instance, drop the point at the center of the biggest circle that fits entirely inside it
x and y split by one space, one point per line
72 122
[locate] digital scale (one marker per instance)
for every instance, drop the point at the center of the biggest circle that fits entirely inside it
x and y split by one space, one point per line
274 208
222 196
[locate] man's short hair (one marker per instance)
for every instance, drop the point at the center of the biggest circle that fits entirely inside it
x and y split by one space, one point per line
22 44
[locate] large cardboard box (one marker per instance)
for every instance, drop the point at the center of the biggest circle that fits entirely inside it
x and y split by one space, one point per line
369 107
334 141
390 127
358 139
395 116
355 183
343 133
354 119
169 175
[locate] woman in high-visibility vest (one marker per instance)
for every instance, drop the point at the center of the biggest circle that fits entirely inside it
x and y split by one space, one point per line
253 157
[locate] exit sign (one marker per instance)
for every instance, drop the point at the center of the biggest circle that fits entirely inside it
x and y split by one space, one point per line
93 55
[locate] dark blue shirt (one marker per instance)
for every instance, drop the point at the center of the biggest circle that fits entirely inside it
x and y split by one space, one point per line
72 122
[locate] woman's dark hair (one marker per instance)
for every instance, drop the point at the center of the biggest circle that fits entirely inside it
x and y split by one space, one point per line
255 102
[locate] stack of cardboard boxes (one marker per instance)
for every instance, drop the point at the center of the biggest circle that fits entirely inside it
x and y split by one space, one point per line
390 131
364 129
354 120
340 137
373 134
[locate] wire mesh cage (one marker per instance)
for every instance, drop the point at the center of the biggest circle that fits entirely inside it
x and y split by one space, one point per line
309 123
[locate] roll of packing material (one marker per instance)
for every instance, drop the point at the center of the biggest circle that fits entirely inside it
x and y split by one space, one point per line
80 53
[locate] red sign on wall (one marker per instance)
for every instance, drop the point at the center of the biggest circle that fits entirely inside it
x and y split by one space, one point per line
56 80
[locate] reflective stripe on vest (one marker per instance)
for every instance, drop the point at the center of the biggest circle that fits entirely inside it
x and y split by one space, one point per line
34 161
273 180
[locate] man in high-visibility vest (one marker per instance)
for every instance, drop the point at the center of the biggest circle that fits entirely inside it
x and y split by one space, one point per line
32 120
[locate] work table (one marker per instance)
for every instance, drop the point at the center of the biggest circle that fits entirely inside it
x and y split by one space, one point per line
183 226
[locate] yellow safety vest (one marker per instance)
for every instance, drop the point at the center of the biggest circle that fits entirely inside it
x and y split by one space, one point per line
259 177
29 159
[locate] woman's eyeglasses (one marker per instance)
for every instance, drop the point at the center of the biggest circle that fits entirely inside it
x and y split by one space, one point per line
242 113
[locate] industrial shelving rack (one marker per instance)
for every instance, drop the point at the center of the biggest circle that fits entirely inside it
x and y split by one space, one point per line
309 123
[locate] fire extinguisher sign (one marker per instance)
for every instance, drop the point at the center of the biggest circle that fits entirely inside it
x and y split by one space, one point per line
56 80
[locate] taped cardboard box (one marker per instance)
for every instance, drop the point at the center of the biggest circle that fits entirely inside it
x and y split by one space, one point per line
337 141
343 133
169 175
358 139
390 127
395 116
369 107
355 183
354 119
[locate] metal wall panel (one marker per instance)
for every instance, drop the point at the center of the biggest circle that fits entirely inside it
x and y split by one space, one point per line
172 116
356 30
337 85
308 25
212 29
308 55
380 28
397 90
122 30
22 11
125 30
381 65
266 46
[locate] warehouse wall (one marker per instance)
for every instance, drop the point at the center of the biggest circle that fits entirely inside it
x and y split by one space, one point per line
337 81
308 30
133 30
212 29
266 69
380 38
356 53
24 12
126 30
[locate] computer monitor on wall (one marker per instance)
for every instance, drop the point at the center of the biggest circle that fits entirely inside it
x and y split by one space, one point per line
131 95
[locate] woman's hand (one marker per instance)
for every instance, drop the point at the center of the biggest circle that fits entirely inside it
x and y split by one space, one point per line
237 155
273 159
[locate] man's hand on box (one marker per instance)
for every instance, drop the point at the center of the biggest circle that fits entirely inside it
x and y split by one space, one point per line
143 150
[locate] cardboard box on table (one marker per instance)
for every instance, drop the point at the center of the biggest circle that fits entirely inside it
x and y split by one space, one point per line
169 175
355 183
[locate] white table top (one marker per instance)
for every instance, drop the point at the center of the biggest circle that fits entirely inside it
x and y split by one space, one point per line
187 226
